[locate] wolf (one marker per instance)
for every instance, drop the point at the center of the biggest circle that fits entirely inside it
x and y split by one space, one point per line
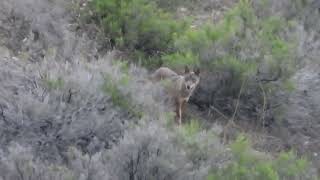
179 87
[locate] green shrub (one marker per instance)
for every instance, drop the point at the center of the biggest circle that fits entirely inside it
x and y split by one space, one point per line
288 166
111 87
179 60
150 33
246 165
241 42
192 40
255 51
238 69
137 25
54 83
150 62
191 128
195 146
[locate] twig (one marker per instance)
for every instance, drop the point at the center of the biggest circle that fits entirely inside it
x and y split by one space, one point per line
238 101
264 106
2 115
231 121
69 96
215 109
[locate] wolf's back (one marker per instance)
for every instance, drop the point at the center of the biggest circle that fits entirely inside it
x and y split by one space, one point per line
162 74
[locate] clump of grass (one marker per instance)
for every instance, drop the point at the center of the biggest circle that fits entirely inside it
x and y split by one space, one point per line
289 86
191 128
170 119
54 84
119 99
123 65
249 165
187 135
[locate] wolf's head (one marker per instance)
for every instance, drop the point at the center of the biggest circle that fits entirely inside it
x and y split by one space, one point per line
191 79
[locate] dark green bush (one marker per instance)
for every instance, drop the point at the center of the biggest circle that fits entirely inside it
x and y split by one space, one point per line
179 60
138 25
246 165
258 52
242 42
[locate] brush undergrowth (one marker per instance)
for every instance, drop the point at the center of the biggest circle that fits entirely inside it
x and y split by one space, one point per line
249 46
247 165
243 43
119 98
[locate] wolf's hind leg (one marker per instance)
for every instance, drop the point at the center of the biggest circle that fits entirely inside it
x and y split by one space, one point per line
183 107
178 111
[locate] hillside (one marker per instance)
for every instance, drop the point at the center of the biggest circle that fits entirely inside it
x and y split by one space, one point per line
75 102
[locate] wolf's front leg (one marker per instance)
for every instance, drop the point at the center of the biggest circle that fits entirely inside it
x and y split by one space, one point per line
178 111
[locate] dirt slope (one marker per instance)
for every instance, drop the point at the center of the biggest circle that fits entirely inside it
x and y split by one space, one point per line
301 124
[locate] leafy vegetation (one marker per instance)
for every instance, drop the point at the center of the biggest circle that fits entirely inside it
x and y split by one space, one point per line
246 165
54 83
242 43
255 48
191 128
137 25
111 86
101 142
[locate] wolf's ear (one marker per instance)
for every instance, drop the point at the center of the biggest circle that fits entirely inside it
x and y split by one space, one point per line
186 69
197 71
